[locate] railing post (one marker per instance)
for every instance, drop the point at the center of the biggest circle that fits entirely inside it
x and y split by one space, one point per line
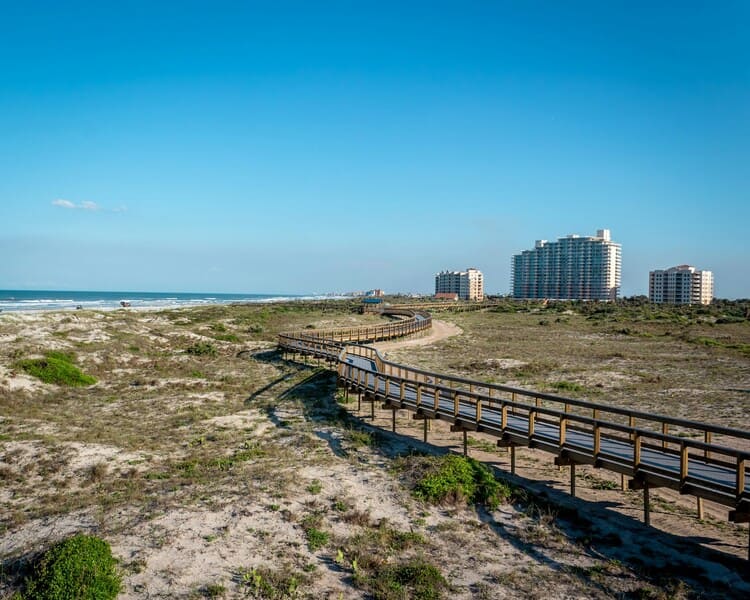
455 405
740 487
597 441
707 440
683 463
479 410
563 428
532 418
437 400
636 452
504 417
665 431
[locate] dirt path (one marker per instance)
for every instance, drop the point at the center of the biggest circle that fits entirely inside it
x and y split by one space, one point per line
440 330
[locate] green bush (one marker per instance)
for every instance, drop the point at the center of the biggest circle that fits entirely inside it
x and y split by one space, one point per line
202 349
455 478
56 368
81 567
567 386
415 579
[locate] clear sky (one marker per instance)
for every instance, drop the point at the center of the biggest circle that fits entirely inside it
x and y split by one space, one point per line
295 147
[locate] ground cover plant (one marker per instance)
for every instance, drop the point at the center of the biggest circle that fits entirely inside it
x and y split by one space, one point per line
57 368
455 479
80 567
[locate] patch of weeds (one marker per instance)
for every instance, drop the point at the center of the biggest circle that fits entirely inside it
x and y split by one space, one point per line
416 578
567 386
56 368
98 472
213 590
227 337
362 439
80 567
316 537
597 483
202 349
264 583
454 479
315 486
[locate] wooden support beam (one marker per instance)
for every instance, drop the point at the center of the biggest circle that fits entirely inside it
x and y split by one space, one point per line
513 459
393 420
466 443
573 480
700 508
646 504
424 430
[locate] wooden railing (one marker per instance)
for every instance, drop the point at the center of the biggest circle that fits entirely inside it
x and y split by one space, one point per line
704 460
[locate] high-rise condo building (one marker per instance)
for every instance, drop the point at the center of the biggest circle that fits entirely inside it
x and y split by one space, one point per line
681 285
468 284
572 268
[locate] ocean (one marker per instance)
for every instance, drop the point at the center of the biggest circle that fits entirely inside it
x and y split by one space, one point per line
32 300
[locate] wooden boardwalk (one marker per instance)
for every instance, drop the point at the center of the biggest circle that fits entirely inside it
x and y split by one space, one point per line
699 459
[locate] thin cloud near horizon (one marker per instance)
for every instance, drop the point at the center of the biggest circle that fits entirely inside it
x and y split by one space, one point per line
84 205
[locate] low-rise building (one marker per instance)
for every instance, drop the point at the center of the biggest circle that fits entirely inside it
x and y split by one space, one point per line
468 284
683 284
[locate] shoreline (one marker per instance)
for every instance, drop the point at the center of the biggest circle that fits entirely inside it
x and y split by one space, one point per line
107 305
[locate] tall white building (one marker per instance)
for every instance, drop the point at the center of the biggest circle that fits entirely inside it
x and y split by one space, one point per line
468 284
682 284
572 268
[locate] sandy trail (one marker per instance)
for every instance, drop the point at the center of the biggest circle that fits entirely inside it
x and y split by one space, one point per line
440 330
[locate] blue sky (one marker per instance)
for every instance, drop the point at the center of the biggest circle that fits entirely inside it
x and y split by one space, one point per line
295 147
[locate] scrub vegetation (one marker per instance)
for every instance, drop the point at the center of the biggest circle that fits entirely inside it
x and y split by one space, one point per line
233 473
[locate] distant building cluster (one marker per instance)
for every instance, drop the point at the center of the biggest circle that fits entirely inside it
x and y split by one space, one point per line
467 285
572 268
578 268
376 293
683 284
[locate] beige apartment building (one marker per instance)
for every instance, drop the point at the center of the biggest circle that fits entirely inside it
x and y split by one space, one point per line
468 284
683 284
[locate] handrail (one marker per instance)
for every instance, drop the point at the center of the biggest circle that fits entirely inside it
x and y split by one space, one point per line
486 406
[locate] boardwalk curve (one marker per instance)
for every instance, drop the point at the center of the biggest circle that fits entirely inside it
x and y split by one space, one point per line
700 459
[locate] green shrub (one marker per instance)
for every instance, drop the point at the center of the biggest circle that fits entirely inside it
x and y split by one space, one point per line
316 538
455 478
202 349
567 386
415 579
57 368
81 567
227 337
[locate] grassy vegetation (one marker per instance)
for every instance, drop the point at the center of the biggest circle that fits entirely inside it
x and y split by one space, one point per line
56 368
453 479
417 578
202 349
80 567
229 432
